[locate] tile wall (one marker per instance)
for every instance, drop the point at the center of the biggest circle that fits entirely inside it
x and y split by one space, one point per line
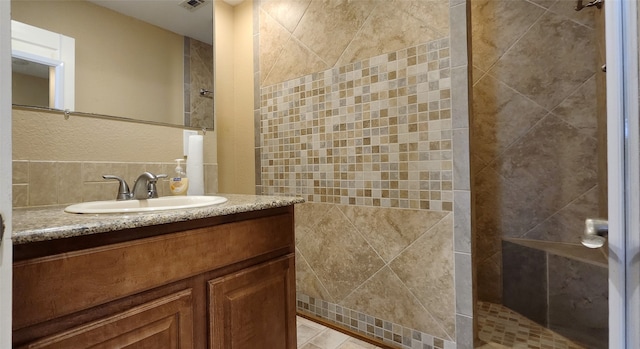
567 295
377 132
198 67
361 108
534 144
43 183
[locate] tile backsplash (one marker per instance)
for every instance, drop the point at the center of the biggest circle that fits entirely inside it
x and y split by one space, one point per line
42 183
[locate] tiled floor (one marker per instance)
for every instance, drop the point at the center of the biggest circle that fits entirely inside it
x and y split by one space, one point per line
312 335
499 327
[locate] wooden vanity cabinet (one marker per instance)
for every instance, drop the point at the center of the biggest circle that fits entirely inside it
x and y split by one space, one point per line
221 282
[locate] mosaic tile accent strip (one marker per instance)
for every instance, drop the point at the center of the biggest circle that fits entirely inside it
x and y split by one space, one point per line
500 327
369 326
376 132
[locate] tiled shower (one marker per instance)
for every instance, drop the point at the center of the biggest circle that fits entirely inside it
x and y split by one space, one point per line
535 163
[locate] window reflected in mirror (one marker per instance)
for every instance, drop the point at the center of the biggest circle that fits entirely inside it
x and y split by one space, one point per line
30 83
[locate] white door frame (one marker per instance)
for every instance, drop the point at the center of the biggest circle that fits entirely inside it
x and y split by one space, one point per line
6 247
623 133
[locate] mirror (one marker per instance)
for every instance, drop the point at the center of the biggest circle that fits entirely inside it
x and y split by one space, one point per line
43 67
144 60
30 83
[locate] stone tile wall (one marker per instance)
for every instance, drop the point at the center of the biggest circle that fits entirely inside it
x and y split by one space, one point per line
362 108
377 132
534 147
198 68
566 295
43 183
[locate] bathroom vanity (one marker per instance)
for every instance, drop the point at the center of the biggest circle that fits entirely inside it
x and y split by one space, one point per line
214 277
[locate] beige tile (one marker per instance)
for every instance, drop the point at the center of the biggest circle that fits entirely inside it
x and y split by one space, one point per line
341 18
532 164
311 346
20 172
461 162
426 268
329 339
93 171
302 321
571 251
387 30
500 116
390 230
544 3
305 333
69 182
489 279
353 343
43 189
92 191
339 255
458 34
287 12
477 74
567 225
497 25
309 214
545 66
201 74
508 208
385 297
307 281
568 8
20 195
460 91
288 66
273 37
434 13
579 109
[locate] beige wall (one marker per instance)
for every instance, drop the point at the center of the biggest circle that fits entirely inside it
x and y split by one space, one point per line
234 97
364 113
114 74
29 90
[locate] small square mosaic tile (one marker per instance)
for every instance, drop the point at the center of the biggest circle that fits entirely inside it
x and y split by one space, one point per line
380 329
500 327
376 132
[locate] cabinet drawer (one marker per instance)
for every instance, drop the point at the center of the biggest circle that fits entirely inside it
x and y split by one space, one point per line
163 323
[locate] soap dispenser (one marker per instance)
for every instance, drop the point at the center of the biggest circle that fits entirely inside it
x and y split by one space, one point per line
179 183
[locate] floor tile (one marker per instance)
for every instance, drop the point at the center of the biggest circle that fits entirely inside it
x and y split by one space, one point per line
500 327
312 335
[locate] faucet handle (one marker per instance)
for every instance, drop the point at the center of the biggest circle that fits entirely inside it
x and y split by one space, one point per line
123 189
162 176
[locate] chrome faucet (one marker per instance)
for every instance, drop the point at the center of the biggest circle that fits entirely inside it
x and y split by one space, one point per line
145 187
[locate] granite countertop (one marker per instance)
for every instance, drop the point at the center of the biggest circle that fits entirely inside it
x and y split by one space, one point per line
49 223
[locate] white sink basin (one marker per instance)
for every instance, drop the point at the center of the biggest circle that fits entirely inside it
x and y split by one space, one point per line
158 204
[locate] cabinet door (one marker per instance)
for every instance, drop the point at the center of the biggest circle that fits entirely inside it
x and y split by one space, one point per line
254 308
163 323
